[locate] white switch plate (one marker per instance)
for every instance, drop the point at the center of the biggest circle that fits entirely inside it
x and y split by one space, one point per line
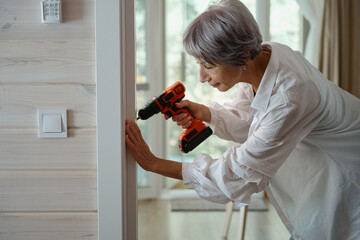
49 124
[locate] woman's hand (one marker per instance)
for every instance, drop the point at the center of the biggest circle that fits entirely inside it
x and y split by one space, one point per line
144 157
200 112
138 147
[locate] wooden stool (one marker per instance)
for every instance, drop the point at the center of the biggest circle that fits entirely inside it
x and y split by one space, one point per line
242 221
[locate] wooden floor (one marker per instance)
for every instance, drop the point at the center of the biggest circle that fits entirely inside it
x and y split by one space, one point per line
156 221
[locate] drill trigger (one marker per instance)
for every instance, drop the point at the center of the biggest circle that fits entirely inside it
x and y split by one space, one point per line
169 113
189 111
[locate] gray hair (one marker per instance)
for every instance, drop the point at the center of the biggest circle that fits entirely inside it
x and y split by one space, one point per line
226 33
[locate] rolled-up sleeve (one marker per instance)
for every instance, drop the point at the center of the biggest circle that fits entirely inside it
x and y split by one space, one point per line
224 179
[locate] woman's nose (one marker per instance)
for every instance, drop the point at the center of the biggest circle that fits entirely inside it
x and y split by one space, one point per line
204 77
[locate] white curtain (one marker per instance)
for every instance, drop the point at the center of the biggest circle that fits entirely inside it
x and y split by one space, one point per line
313 11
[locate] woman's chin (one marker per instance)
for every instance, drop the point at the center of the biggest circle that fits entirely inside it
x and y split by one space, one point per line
222 88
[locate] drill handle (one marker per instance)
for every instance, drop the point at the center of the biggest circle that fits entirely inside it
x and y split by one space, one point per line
175 110
188 111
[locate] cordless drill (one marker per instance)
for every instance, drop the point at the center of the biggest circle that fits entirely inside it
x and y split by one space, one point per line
165 102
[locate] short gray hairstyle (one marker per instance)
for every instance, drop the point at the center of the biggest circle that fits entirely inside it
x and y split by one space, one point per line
226 33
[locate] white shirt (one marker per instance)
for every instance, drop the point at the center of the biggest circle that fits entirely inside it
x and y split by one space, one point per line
300 141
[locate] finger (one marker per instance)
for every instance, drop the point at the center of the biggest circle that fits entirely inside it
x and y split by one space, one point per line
130 139
126 125
134 128
136 134
132 145
186 125
184 121
132 148
182 104
129 142
180 117
128 122
132 133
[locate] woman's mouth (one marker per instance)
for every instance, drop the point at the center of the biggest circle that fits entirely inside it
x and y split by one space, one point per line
216 85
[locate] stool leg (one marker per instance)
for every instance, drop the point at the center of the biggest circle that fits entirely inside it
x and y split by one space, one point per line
229 211
242 222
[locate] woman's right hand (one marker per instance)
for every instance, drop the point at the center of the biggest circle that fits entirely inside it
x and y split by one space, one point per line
200 112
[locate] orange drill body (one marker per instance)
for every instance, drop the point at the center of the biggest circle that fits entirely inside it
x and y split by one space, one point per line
195 134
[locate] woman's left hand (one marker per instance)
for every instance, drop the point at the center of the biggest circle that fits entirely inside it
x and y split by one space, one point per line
138 147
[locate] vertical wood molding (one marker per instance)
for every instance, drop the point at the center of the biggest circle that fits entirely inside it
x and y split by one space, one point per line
129 170
115 64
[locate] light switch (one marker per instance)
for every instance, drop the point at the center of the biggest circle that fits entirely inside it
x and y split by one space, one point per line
52 123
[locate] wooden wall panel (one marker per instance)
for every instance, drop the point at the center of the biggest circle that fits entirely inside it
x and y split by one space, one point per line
48 187
48 190
21 19
23 149
40 61
19 103
45 226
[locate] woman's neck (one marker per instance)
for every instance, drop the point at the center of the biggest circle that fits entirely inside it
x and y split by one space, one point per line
256 68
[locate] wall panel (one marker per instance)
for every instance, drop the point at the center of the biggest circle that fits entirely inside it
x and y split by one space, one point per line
21 148
48 190
42 61
50 225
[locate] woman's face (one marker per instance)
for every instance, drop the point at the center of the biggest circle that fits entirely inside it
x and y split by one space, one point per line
222 77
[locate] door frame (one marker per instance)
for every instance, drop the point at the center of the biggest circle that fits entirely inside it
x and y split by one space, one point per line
115 86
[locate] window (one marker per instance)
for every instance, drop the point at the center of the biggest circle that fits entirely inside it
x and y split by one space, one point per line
285 19
279 21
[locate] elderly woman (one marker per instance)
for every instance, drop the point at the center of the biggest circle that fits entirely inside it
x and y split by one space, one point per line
299 133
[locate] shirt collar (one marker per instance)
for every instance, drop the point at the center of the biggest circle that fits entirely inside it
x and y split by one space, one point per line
261 100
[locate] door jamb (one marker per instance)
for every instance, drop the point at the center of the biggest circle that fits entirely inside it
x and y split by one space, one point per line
115 85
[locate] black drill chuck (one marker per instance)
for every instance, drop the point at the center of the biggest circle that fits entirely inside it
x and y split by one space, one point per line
148 110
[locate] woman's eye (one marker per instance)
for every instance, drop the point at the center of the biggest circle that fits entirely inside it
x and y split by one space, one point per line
208 67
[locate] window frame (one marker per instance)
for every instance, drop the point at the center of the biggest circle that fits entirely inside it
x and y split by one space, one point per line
155 73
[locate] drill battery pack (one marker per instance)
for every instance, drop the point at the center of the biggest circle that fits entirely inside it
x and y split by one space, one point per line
191 138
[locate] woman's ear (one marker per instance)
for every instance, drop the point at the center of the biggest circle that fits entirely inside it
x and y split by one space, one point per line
248 56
